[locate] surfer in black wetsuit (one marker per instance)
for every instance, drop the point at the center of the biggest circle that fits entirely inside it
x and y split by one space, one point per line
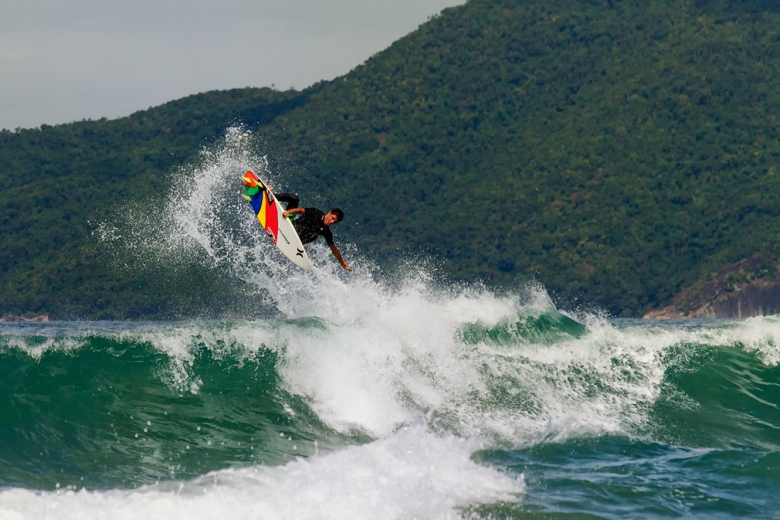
311 223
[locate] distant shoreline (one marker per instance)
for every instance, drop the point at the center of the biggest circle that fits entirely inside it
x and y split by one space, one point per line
11 318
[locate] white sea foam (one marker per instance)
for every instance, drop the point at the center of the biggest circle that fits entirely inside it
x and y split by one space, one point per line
37 347
410 474
374 362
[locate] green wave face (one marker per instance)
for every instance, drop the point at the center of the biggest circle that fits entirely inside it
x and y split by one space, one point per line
107 411
545 328
719 395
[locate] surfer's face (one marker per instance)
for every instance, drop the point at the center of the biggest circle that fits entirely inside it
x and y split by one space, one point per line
330 218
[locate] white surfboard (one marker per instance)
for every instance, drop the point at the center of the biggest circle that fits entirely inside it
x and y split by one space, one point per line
270 214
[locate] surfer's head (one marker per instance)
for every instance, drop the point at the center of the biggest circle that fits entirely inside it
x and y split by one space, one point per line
333 216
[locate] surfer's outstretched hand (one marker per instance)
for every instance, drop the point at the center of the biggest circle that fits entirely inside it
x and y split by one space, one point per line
338 256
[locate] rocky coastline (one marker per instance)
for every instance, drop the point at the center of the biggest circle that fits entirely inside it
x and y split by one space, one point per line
8 318
750 287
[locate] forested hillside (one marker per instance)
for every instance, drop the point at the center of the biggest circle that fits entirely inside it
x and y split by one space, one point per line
615 151
58 182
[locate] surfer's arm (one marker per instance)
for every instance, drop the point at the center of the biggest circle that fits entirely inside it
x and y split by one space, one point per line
337 254
294 210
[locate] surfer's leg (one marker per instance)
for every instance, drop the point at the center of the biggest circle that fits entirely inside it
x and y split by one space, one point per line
289 199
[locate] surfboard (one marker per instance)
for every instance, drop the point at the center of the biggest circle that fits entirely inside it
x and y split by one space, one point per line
269 213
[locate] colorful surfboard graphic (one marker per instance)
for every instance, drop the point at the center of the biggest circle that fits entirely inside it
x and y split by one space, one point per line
263 206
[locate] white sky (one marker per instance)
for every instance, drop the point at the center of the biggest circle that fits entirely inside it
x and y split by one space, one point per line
68 60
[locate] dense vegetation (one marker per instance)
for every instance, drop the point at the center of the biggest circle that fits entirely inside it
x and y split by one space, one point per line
616 151
58 182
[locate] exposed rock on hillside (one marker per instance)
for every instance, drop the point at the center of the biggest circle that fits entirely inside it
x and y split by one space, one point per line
12 318
747 288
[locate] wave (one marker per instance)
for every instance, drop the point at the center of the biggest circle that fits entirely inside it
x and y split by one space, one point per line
392 478
192 398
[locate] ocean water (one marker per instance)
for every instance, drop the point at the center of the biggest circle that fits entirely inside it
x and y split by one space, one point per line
377 395
472 406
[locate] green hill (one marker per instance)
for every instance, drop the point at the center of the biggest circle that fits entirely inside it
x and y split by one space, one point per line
616 151
58 182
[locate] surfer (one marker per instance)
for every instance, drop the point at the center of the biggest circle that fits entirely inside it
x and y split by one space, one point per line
311 223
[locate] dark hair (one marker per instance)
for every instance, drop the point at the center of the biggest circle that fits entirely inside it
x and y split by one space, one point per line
339 214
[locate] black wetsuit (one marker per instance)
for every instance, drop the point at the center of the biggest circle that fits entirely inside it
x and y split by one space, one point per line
309 225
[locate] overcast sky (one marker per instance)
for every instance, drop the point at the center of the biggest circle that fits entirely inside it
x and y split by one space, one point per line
68 60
